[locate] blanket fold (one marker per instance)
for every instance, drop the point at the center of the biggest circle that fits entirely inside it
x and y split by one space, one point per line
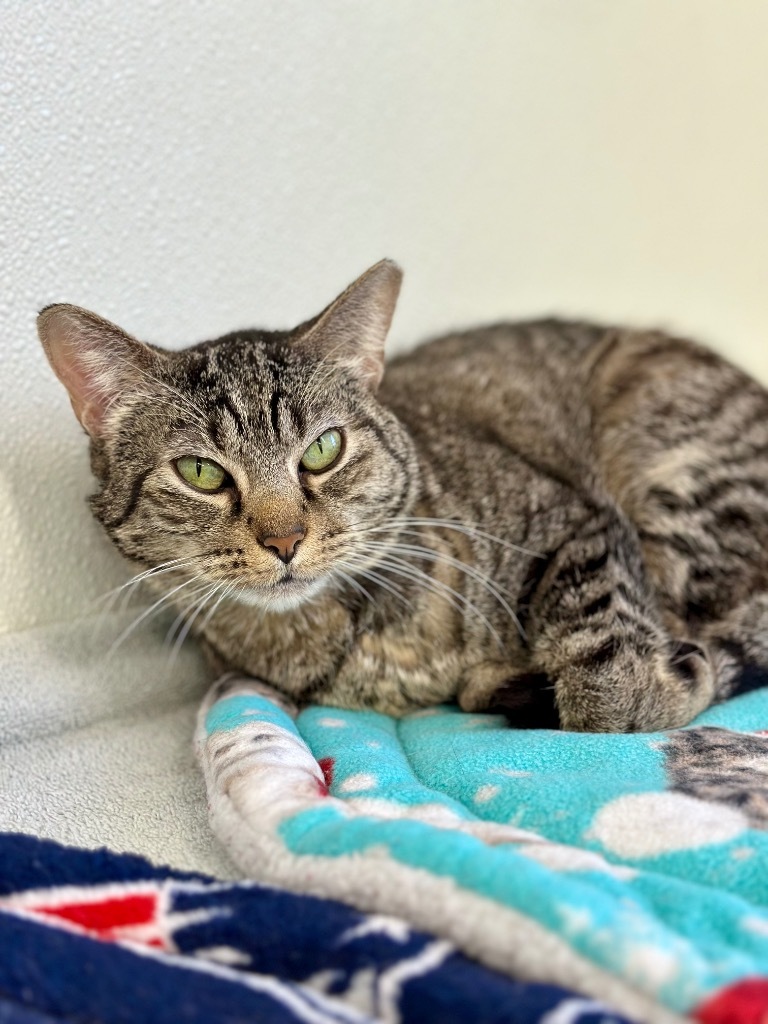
631 868
112 939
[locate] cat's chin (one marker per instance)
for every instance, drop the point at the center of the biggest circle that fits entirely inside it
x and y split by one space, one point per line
285 596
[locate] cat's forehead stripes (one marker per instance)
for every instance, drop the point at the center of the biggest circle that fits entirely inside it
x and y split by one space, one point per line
246 394
225 404
286 414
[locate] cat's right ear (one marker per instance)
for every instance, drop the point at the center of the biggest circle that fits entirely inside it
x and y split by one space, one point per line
94 359
352 330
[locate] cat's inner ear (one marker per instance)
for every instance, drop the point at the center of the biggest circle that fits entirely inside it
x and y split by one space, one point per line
95 360
351 331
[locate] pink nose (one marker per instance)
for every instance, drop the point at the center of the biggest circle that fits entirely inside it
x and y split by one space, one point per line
285 547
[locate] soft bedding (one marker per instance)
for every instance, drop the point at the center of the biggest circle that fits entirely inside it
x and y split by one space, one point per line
616 871
96 750
98 937
631 868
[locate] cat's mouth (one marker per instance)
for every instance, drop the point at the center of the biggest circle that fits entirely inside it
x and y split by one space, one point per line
288 592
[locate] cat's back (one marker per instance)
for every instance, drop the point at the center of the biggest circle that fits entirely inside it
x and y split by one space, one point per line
576 397
521 352
521 384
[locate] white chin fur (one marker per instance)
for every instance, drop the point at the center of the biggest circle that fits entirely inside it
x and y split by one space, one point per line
282 600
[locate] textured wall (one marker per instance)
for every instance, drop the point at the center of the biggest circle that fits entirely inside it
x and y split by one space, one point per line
185 168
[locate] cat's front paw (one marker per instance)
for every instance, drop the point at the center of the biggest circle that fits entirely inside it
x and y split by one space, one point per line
636 691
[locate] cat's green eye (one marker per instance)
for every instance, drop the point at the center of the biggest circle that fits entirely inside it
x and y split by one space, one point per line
204 474
322 453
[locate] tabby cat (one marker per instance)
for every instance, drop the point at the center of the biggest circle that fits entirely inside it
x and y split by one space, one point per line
722 767
565 521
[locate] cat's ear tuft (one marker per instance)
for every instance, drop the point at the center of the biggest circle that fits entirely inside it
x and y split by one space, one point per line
95 360
351 331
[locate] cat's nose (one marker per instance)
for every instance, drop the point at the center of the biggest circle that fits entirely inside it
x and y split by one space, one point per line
285 547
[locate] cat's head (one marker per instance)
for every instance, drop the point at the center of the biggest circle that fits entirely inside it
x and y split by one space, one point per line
261 462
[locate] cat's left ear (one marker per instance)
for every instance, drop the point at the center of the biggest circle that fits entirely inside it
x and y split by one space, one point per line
96 361
351 331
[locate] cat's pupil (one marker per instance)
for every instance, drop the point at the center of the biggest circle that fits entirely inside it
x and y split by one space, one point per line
199 466
323 451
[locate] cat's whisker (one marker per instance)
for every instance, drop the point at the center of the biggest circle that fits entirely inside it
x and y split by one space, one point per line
157 570
370 573
433 554
147 613
439 556
457 600
228 590
126 591
402 523
224 590
105 603
181 618
374 577
209 594
352 582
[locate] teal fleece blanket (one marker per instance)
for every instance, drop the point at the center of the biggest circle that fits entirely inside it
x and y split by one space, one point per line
631 868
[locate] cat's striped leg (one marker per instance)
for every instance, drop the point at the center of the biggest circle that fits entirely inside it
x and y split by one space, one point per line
685 454
594 629
706 549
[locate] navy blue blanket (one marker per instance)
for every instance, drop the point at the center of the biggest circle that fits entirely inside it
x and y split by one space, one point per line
99 937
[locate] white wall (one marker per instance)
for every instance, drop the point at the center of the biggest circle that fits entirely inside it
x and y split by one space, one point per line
185 168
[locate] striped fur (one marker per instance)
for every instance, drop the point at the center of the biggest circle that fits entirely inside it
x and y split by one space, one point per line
561 520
